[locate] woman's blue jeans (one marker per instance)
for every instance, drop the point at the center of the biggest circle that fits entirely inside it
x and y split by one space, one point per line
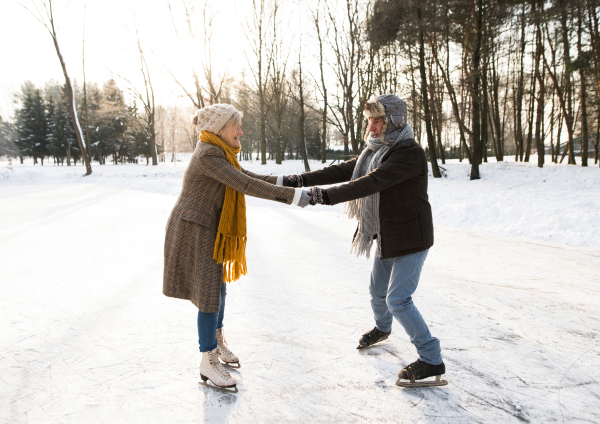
393 282
208 323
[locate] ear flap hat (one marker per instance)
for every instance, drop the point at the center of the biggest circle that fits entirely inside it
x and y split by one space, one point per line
394 111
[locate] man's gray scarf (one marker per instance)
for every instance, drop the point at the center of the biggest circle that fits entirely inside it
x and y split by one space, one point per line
366 210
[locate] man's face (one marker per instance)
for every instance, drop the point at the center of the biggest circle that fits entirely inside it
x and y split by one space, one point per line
375 126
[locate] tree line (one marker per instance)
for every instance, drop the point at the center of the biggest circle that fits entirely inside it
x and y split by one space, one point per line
481 78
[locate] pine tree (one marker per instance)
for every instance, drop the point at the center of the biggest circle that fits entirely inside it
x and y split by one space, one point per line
61 138
32 127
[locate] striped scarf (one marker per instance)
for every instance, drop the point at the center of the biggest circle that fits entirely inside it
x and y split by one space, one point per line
230 244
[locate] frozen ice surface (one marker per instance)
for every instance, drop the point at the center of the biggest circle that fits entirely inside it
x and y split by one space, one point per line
87 336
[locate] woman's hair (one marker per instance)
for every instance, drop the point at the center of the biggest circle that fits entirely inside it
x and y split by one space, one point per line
235 121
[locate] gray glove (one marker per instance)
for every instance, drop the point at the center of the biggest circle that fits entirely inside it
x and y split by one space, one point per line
304 199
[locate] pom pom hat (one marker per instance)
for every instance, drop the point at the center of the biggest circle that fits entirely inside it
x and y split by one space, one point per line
213 118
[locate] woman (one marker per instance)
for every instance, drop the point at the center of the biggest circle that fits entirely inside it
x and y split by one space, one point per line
206 233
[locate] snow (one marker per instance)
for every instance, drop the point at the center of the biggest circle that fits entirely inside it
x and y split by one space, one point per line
558 203
87 336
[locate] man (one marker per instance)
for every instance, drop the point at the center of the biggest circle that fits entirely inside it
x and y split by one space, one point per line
387 194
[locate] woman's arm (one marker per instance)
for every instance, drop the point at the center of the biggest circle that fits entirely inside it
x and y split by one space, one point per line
271 179
217 167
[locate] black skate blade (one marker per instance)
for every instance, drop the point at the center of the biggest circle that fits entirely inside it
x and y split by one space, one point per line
421 383
233 364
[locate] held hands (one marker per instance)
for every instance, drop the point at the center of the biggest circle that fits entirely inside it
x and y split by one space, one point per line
294 180
318 196
314 196
304 199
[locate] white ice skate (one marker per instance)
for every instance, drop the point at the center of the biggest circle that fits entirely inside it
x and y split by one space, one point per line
212 369
224 353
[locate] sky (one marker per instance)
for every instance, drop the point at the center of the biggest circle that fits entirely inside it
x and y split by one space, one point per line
110 42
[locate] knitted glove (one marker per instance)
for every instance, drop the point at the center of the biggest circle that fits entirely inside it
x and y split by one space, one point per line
318 196
294 180
304 199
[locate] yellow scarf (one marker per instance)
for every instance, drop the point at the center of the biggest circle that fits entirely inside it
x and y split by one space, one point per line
230 245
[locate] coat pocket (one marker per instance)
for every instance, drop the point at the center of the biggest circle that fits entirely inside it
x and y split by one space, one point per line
198 217
403 231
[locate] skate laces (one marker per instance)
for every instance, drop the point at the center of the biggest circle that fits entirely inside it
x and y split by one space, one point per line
415 366
214 359
373 334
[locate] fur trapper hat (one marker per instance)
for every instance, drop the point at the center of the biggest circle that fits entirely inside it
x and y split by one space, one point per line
394 112
213 118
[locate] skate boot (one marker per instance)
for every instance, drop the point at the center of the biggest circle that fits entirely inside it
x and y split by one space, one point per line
212 369
224 353
372 337
418 371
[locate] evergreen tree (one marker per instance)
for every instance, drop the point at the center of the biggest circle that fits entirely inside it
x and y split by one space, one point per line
32 127
7 146
61 139
111 126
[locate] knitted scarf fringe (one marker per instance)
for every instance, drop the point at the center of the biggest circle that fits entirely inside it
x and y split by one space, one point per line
230 248
231 251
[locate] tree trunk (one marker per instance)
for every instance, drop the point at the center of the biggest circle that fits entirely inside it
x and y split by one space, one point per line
302 120
430 140
72 110
520 91
486 110
540 78
568 91
476 113
584 115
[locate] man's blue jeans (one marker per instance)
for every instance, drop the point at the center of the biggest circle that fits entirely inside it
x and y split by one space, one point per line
208 323
393 282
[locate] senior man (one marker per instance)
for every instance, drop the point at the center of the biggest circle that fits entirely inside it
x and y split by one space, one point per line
387 194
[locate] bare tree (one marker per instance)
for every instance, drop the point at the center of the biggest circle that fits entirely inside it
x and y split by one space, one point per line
276 93
257 28
147 120
212 85
322 86
47 20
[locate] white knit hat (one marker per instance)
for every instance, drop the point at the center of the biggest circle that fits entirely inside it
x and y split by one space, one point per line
212 118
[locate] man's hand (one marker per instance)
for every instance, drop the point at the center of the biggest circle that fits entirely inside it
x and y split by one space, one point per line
318 196
294 180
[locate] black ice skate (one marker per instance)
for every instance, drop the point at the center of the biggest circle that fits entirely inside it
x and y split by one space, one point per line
418 371
372 337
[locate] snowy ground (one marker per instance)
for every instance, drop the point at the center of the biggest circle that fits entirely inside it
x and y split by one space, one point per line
87 336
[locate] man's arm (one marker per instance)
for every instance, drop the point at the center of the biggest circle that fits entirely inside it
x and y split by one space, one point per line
329 175
400 166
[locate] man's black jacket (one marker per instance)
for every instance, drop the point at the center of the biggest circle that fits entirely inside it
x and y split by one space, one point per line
404 210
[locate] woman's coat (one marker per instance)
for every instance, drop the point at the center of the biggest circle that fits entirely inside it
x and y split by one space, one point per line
190 271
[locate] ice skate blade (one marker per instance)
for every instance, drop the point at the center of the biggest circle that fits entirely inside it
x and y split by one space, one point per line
233 364
373 344
420 383
205 381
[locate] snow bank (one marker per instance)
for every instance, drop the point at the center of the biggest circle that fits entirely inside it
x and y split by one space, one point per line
558 203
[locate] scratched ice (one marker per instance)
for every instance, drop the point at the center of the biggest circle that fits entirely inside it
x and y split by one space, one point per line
87 336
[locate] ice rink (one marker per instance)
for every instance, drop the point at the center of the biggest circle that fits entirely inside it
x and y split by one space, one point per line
87 336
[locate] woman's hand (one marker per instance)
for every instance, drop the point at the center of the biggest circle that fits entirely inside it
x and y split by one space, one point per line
304 199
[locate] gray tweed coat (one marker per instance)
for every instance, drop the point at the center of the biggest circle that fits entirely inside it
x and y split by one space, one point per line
190 271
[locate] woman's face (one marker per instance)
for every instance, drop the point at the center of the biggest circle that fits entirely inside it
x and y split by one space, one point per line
232 135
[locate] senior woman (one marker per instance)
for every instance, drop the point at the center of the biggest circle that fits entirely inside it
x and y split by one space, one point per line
205 239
